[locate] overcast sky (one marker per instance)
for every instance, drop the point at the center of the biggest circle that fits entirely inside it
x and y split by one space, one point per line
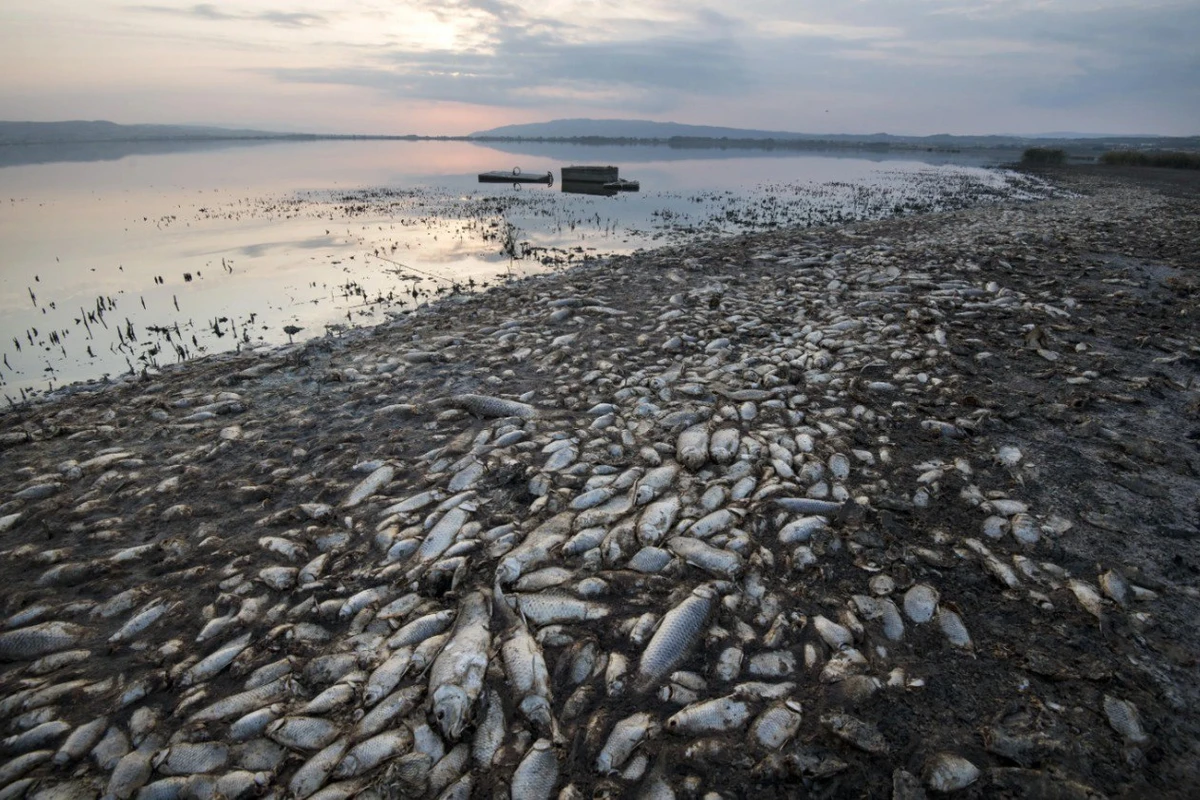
456 66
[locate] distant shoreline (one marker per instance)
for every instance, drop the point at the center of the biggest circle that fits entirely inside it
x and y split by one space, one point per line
1086 149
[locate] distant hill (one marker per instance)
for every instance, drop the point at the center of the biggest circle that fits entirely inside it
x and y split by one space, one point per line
102 131
612 129
628 129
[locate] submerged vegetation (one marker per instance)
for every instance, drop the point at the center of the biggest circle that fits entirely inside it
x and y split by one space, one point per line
1159 158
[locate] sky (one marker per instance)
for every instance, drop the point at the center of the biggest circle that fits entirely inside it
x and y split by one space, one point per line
457 66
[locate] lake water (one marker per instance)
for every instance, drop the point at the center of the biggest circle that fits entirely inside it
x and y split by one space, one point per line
122 257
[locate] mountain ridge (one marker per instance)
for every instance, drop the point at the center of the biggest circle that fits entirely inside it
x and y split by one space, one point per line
585 128
20 132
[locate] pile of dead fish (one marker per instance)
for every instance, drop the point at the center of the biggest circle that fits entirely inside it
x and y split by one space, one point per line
566 539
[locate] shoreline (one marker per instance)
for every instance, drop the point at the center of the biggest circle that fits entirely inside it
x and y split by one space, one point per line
990 417
1018 193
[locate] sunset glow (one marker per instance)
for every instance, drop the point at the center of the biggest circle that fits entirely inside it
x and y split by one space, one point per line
418 66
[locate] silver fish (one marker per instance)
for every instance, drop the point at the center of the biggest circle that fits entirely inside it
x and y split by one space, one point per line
626 735
81 740
654 483
691 448
678 633
535 548
547 608
398 704
717 561
370 485
456 676
710 716
525 666
537 774
215 662
28 643
243 702
422 628
484 406
658 518
778 724
489 732
303 733
367 755
441 536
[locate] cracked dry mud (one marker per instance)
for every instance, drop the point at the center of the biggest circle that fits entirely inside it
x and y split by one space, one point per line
903 507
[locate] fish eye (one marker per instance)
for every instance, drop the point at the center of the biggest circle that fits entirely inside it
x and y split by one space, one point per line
441 715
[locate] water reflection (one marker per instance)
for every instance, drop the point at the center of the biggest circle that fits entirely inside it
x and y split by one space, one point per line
587 187
16 155
112 266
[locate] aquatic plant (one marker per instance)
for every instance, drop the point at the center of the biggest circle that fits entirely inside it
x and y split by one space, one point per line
1159 158
1044 156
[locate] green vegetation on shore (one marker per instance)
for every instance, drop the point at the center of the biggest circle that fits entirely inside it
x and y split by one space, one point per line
1159 158
1044 156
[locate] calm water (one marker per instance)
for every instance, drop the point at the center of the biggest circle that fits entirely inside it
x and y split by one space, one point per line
118 259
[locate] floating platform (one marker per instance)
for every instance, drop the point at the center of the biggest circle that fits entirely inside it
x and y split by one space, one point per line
599 175
516 176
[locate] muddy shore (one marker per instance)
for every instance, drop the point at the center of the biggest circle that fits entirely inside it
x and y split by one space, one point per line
1013 395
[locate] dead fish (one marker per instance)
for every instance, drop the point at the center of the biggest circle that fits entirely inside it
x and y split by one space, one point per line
856 732
28 643
678 633
490 732
717 561
550 607
952 625
777 725
528 677
367 755
1114 585
188 758
370 485
243 702
920 602
537 774
456 677
215 662
313 773
441 536
1124 718
710 716
654 483
398 704
422 628
626 735
484 406
81 740
802 529
657 519
947 772
723 447
303 733
131 773
691 448
535 548
1087 596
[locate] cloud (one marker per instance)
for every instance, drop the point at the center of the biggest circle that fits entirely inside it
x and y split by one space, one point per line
924 65
207 11
513 58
